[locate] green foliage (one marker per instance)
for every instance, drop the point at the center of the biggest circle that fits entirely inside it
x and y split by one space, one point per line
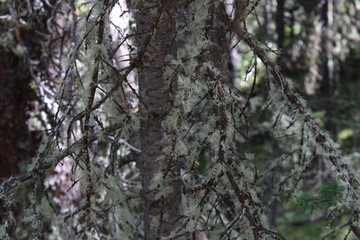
328 195
345 134
203 162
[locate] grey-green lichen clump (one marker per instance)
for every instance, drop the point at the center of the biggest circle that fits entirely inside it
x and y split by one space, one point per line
197 143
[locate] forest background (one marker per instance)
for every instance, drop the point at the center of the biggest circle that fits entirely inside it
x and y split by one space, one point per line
180 120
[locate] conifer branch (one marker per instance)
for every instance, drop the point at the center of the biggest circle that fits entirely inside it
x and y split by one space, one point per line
321 138
42 168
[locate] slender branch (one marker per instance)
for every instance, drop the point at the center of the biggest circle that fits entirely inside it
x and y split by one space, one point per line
322 139
355 228
42 168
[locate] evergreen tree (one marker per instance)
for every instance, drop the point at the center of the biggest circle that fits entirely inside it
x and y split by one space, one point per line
149 137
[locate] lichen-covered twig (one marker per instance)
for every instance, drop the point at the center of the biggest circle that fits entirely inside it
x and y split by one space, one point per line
42 168
321 138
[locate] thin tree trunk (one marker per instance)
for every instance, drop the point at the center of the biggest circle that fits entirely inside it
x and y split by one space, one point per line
280 23
267 16
155 37
269 180
328 82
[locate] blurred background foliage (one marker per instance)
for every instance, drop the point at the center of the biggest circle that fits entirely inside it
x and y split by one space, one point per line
316 44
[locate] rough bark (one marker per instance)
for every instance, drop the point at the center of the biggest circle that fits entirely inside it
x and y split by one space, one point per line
155 36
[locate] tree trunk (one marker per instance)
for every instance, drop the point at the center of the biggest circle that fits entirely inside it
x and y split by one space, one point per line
280 23
155 37
327 89
15 97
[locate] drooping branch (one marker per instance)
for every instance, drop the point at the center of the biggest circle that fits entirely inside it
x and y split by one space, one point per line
321 138
354 226
252 209
44 168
